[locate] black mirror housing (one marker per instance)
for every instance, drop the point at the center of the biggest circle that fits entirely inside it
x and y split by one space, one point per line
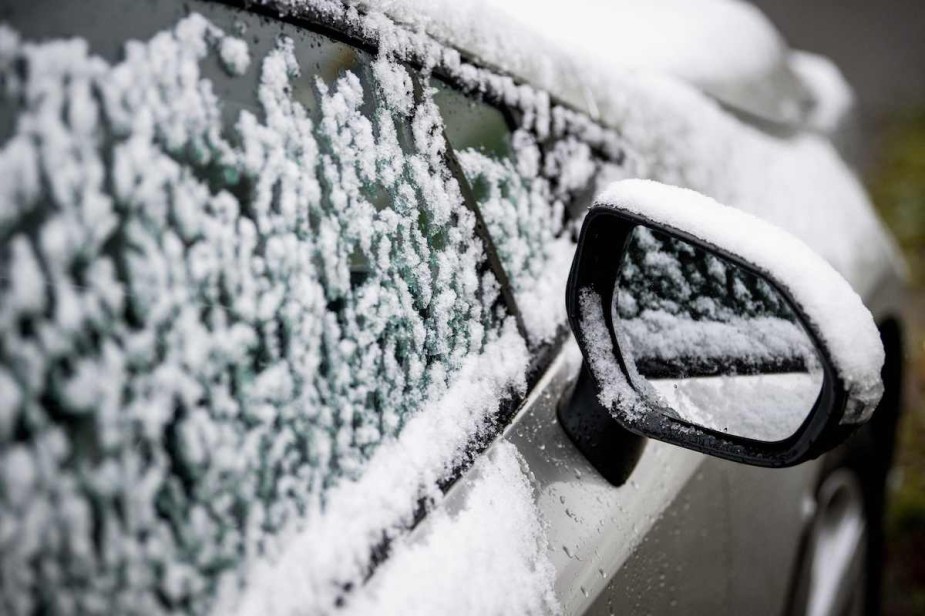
845 399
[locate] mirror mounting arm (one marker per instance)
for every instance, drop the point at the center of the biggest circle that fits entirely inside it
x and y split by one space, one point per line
610 448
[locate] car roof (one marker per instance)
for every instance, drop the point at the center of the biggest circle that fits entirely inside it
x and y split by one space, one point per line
726 49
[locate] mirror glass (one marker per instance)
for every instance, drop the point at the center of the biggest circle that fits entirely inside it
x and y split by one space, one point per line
720 346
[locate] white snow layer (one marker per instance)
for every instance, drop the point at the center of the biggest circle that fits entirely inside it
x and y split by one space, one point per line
726 48
488 558
835 312
234 55
614 390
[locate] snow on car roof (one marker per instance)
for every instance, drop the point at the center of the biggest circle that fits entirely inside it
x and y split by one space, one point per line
725 48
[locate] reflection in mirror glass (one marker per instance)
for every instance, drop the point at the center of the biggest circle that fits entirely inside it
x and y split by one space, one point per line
720 346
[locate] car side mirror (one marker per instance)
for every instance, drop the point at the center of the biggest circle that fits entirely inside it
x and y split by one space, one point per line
708 328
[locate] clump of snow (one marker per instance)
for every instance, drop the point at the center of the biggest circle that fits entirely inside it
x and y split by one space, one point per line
234 55
834 311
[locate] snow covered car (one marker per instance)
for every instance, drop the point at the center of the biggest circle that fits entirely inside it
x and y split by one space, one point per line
408 307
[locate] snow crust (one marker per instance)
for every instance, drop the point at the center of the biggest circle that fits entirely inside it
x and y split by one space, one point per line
834 311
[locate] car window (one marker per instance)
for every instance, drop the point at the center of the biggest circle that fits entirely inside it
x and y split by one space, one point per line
530 190
233 264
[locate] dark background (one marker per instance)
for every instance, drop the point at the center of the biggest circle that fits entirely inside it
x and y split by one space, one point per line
878 44
880 48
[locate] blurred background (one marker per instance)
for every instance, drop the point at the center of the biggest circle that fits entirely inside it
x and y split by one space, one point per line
880 48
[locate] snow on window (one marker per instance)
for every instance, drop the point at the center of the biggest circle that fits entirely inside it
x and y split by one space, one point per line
523 191
521 217
234 54
208 329
323 559
665 129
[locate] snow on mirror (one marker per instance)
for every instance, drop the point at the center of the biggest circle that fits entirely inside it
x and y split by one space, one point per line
721 347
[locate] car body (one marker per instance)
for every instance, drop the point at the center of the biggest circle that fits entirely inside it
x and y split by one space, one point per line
414 178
